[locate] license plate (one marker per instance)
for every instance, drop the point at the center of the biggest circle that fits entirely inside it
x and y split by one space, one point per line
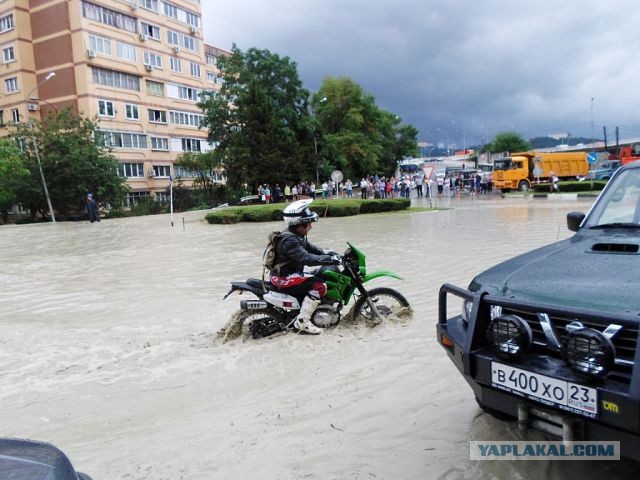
568 396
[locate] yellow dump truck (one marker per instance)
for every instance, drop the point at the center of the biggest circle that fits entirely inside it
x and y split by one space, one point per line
520 170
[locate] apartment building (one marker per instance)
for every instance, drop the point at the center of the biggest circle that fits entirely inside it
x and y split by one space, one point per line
138 66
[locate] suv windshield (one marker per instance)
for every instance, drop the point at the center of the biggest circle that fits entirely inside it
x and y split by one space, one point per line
619 205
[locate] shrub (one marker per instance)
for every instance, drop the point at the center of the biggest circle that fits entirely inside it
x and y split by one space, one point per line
573 186
324 208
225 216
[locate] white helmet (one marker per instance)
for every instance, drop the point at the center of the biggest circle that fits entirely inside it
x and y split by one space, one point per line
298 213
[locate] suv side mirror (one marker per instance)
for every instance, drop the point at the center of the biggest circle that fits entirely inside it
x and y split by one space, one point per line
574 219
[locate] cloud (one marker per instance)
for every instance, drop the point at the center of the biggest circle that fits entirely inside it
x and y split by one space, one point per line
494 65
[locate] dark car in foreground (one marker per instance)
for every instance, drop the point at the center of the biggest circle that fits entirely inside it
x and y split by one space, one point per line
31 460
551 337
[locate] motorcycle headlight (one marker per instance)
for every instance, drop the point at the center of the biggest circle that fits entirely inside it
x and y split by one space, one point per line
467 306
509 336
589 353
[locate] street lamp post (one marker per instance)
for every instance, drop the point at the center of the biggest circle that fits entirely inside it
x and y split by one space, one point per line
447 136
37 152
315 141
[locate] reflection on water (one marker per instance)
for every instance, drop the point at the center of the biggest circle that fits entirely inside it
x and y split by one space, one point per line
107 336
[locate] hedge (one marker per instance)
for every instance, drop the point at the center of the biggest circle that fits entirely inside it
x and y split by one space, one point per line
573 186
324 208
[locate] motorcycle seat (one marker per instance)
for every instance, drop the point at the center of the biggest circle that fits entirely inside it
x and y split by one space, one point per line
257 283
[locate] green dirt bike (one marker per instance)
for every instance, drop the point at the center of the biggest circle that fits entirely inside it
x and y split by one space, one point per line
274 311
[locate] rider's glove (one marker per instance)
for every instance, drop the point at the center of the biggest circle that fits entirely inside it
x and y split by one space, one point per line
336 259
327 251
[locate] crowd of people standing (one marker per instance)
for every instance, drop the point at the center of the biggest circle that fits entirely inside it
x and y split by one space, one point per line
374 186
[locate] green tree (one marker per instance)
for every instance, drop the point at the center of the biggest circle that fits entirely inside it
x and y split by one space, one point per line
73 162
12 174
357 137
204 166
509 142
259 121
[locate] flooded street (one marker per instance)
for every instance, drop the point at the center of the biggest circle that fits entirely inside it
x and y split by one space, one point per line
108 350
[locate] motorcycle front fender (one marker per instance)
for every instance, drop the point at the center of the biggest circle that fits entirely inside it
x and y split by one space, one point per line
380 273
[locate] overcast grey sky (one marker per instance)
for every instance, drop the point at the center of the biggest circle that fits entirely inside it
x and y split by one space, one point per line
464 67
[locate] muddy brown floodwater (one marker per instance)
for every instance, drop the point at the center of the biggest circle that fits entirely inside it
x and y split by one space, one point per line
108 350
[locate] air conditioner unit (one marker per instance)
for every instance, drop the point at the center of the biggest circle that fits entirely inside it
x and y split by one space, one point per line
176 48
143 37
32 107
151 173
194 30
134 4
148 67
91 53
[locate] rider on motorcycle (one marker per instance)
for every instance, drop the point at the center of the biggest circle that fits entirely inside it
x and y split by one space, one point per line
293 253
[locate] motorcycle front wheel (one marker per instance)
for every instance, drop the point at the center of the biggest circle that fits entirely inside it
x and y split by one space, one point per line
389 304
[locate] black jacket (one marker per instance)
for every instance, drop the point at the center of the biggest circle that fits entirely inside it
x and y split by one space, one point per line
294 252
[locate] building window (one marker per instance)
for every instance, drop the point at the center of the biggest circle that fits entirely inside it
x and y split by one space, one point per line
122 140
210 59
186 118
190 145
6 22
162 198
195 69
149 4
157 116
105 108
8 55
109 17
162 171
131 170
112 78
176 64
211 77
150 31
181 40
100 44
11 84
153 59
131 198
188 93
126 51
155 88
159 143
132 111
15 115
193 19
170 10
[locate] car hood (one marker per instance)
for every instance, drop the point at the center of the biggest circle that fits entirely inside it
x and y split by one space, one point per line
572 273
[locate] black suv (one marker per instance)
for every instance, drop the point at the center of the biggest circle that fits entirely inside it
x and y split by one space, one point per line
551 337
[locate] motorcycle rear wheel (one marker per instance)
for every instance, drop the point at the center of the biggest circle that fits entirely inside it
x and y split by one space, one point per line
390 304
242 320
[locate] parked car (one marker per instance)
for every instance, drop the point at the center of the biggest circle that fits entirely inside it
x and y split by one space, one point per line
606 170
28 459
551 337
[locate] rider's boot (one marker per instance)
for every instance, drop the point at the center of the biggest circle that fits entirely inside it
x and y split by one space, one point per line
303 320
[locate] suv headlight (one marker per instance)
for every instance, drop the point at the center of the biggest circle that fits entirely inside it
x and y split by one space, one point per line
589 353
509 336
467 306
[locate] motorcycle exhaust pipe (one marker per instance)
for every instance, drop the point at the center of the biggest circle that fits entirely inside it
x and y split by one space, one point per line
253 304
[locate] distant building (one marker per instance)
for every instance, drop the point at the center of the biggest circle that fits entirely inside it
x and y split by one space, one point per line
137 65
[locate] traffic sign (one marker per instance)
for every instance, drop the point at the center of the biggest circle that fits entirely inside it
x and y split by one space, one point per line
592 157
336 176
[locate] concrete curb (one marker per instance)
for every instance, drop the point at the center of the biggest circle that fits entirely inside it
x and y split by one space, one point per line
552 196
